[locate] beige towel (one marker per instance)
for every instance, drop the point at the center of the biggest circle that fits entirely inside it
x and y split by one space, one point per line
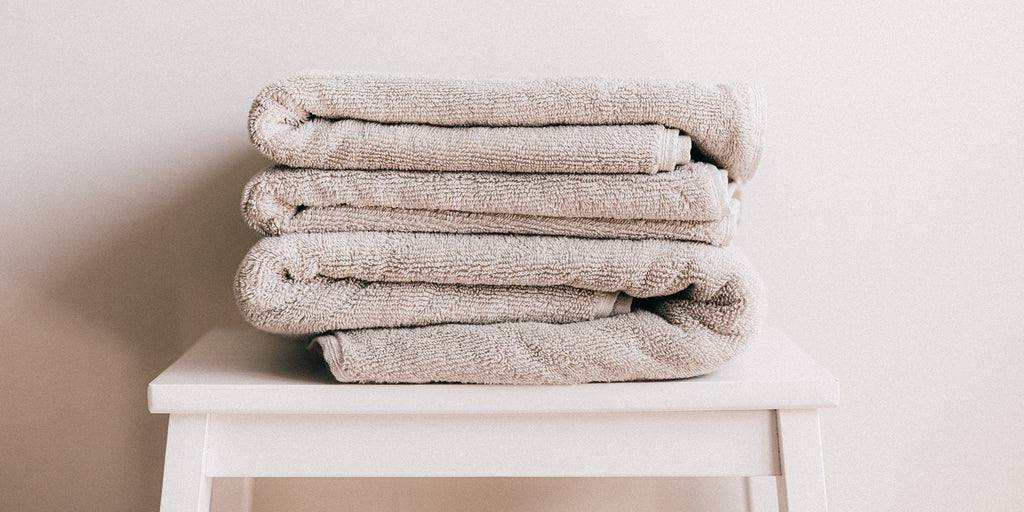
503 308
690 203
328 120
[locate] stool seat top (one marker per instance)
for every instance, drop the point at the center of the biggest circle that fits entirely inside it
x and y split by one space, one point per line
245 371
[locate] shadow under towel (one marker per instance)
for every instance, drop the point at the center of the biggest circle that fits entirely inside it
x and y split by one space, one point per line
692 202
503 308
587 124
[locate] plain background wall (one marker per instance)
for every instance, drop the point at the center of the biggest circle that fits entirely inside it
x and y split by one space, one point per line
886 220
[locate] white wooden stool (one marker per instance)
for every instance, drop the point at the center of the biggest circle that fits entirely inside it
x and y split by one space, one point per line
248 404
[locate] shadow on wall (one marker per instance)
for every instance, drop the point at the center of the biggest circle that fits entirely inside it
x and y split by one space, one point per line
84 439
506 494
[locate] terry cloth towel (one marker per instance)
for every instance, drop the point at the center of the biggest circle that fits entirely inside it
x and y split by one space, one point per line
503 308
692 202
591 124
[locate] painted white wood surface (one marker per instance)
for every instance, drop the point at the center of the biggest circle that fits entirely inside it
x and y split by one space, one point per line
686 443
187 485
220 373
247 404
802 483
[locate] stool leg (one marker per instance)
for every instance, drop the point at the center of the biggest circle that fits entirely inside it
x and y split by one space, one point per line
186 487
802 484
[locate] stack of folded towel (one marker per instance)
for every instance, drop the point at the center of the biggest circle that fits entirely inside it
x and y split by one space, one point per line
536 231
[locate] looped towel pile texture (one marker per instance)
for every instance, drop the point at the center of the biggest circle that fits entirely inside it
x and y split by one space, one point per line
544 231
692 202
595 124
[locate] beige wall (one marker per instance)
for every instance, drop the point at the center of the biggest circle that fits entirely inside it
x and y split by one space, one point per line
886 220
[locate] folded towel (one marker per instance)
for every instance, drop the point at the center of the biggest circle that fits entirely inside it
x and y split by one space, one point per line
691 202
637 346
508 309
328 120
